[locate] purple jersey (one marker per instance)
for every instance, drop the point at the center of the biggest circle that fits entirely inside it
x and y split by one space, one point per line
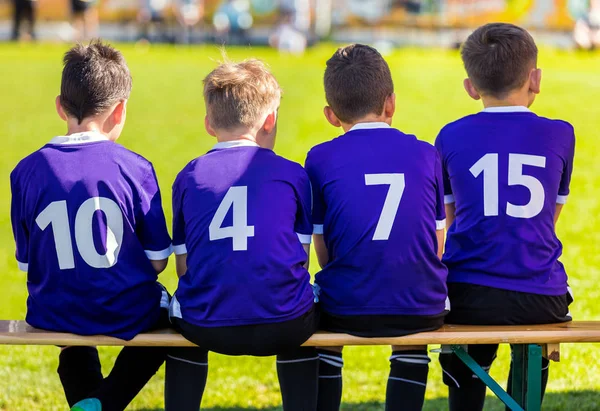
506 169
87 219
241 214
378 200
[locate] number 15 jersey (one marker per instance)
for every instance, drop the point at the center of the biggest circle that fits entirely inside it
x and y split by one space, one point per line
378 200
506 169
241 214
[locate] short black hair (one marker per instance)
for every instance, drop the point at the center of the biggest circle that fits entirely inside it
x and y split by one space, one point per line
498 58
357 82
94 77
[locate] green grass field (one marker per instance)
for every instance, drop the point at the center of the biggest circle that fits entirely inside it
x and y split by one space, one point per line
165 124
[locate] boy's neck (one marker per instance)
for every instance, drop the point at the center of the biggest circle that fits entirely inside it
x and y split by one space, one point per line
91 126
371 118
513 99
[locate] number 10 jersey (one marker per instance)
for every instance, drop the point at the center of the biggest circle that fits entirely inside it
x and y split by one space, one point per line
506 169
87 219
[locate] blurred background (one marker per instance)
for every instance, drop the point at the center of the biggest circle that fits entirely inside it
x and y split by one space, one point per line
293 25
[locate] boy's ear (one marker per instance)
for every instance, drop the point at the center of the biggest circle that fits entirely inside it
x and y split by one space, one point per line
59 109
331 117
270 122
390 106
535 81
208 127
120 112
470 89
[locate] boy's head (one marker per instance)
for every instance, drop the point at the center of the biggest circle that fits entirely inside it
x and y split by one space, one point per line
95 87
242 100
501 60
358 87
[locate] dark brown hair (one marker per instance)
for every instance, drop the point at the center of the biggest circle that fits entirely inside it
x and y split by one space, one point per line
94 78
238 94
357 82
498 58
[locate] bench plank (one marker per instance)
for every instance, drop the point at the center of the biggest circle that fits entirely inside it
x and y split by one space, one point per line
19 333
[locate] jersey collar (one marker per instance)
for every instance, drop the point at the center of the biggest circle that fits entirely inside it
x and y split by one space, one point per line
507 109
79 138
369 126
235 143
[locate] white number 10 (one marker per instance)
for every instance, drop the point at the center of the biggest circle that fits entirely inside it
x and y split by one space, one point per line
488 165
56 214
392 201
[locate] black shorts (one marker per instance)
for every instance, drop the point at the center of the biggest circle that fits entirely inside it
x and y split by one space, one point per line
478 305
380 325
80 6
259 340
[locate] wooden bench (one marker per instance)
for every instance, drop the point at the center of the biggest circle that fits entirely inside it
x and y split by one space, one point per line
530 344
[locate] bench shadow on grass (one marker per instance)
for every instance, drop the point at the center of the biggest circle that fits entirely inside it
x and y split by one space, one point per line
585 400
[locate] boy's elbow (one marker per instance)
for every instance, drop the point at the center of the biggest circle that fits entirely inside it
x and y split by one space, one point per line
160 265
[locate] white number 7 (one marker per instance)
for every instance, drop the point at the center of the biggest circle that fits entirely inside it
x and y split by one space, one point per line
391 204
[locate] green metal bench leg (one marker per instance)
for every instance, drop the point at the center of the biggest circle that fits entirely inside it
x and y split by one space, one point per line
527 376
485 377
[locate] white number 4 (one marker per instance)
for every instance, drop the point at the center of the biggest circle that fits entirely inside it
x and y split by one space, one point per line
240 231
391 204
488 165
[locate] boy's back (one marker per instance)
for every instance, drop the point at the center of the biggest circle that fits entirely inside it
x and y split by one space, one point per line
504 169
87 212
376 191
239 212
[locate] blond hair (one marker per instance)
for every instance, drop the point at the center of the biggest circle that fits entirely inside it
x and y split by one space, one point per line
239 94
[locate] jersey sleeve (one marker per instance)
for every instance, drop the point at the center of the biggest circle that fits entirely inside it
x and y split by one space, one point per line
178 221
448 194
20 232
152 226
440 209
565 181
318 203
304 226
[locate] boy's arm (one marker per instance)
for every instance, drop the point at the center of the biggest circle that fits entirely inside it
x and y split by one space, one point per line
450 214
559 208
441 216
307 251
151 228
303 225
20 231
179 236
321 250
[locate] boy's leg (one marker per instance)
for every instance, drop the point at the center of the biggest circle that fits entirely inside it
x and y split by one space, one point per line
466 392
185 379
132 370
79 371
545 374
409 367
298 372
330 378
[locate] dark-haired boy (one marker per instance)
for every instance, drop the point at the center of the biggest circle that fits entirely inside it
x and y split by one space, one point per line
507 174
379 225
91 233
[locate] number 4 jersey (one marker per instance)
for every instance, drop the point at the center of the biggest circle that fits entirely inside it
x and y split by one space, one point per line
378 201
87 219
506 169
241 214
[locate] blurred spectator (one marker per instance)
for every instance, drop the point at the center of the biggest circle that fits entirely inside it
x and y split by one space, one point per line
24 10
85 19
189 13
587 27
287 38
232 20
152 17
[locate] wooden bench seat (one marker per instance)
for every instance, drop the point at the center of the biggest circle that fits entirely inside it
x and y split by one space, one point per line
19 333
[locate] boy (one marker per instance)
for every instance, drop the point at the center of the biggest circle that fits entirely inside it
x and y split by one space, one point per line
241 234
91 233
379 225
507 174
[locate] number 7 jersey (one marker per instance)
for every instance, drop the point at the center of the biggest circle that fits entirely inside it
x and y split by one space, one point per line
378 201
241 214
87 219
506 169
